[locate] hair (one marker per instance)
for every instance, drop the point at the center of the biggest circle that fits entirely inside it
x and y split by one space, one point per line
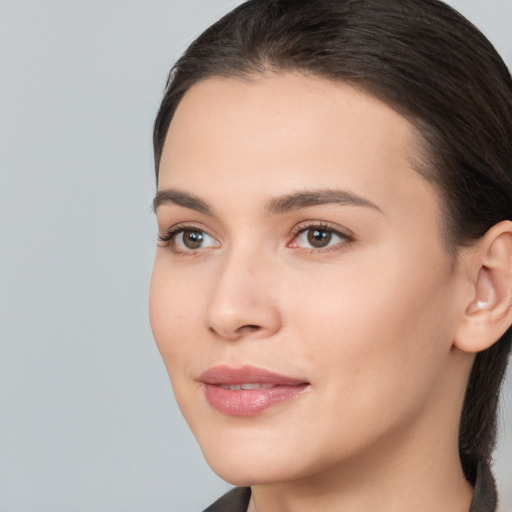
431 65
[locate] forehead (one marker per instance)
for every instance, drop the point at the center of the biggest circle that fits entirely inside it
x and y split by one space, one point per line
286 107
295 100
250 138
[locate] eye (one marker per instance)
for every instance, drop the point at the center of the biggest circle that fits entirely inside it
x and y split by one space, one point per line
187 239
319 237
193 239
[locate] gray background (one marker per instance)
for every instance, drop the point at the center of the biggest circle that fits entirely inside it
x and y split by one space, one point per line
87 420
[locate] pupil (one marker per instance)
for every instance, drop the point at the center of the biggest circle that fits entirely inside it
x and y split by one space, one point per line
192 239
319 237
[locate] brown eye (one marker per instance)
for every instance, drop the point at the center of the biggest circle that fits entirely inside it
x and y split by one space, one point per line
187 239
319 238
192 239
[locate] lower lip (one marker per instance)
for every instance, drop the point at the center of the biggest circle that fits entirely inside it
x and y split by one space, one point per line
249 402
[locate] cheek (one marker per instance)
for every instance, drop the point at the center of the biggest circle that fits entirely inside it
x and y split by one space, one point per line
174 305
173 311
378 334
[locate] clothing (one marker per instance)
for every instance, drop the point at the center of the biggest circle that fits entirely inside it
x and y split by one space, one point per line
236 500
484 499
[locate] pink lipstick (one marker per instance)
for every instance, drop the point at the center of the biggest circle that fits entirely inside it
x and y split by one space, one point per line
247 391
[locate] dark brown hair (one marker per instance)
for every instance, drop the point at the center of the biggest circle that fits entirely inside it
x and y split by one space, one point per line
434 67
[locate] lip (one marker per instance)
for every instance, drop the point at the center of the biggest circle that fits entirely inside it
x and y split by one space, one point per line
275 389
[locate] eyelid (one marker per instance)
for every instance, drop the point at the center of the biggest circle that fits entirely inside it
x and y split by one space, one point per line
345 234
170 234
176 228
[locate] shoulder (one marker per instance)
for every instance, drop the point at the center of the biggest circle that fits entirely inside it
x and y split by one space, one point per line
236 500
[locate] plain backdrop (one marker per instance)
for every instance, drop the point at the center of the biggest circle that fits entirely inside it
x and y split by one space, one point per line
87 418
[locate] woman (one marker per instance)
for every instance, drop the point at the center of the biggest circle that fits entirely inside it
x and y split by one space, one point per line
332 290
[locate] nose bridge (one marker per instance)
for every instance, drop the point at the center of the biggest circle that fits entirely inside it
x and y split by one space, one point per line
241 300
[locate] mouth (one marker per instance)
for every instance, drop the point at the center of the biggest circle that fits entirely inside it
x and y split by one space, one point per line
252 385
248 391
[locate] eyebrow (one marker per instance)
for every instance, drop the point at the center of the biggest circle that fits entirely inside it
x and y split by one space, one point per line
276 206
321 197
172 196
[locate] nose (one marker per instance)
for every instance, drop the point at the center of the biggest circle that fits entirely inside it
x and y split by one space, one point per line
243 301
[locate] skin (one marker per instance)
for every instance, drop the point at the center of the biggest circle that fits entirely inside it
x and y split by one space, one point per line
369 320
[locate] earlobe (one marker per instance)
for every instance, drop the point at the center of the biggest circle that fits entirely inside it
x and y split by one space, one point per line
489 312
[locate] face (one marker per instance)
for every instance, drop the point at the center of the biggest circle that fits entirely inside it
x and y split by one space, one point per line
302 298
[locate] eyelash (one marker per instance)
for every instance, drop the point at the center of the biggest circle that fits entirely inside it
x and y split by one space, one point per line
169 236
322 226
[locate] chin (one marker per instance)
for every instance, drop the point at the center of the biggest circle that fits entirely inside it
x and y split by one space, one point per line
246 472
245 457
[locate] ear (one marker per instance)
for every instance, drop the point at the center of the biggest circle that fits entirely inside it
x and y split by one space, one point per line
488 313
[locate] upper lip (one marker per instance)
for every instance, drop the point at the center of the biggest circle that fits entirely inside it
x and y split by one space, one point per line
245 375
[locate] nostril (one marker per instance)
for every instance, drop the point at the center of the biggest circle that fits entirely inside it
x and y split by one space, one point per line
250 328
